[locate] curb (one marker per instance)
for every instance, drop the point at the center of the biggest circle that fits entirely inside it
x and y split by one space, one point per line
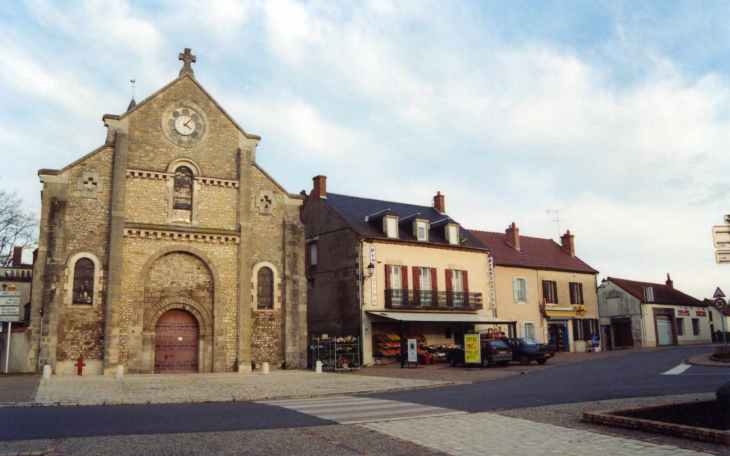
211 401
707 363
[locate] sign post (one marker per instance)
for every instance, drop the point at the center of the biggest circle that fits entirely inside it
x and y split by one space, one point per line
720 305
10 312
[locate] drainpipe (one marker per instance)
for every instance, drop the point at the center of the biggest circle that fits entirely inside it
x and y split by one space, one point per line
360 275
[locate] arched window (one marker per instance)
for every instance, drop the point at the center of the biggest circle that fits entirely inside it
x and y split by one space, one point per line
265 288
83 285
182 205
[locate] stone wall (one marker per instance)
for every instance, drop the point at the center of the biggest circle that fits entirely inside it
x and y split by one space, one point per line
266 343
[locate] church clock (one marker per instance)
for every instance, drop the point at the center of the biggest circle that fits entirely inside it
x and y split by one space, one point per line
185 124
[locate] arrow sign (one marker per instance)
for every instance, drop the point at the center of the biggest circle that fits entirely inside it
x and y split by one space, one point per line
720 303
718 293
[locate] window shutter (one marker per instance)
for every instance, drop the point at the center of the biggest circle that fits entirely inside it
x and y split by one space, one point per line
527 292
545 291
404 278
555 292
587 328
516 290
522 330
576 330
416 278
580 290
449 279
434 280
308 254
465 278
388 285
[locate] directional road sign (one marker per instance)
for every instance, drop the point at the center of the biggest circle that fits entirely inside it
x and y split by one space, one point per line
720 303
718 293
10 318
9 301
10 310
721 236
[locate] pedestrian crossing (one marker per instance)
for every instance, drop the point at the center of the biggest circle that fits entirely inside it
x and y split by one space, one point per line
354 410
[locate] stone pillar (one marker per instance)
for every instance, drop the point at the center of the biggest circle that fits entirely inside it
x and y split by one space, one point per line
119 132
247 149
294 304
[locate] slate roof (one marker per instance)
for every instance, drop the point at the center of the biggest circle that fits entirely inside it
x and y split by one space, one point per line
534 253
663 294
353 210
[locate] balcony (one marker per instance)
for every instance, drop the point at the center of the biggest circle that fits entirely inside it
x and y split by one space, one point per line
432 300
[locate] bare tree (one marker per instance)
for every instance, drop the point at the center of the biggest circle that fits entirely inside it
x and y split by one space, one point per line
17 227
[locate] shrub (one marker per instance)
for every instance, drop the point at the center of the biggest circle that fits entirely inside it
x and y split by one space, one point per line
722 353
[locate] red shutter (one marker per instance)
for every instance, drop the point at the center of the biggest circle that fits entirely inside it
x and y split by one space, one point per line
449 285
387 277
465 279
434 280
416 285
404 278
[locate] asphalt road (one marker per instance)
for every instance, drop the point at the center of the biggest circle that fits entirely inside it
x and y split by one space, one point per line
632 375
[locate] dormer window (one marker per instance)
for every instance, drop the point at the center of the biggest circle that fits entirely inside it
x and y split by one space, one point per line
452 233
390 226
420 229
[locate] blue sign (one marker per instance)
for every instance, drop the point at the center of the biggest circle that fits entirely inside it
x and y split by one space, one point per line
594 340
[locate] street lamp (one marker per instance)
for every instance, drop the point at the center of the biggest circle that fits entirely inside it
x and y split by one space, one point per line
371 270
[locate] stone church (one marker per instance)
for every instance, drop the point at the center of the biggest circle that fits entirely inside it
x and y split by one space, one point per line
168 248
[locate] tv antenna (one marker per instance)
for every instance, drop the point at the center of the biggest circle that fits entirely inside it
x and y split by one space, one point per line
557 217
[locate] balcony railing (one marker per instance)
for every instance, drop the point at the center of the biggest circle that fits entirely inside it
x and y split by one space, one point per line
436 300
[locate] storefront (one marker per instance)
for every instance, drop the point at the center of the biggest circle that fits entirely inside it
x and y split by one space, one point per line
436 332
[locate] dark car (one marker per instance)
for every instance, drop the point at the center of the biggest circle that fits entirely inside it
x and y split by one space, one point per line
525 350
493 352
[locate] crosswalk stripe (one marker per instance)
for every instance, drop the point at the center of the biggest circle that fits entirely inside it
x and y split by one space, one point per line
352 410
677 370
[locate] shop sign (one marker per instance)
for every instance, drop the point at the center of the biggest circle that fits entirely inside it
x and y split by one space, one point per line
412 351
472 353
701 313
373 279
492 292
683 313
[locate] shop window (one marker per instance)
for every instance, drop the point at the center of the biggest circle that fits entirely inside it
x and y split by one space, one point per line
265 288
576 293
182 203
550 291
83 288
696 326
520 291
680 326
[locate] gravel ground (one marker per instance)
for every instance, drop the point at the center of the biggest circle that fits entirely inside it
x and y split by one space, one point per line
569 415
18 387
310 441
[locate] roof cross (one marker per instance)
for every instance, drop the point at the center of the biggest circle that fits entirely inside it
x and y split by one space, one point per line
187 57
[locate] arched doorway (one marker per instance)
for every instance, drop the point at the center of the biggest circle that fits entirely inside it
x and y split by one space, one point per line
176 343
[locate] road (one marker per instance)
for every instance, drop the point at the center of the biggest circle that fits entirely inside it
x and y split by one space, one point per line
632 375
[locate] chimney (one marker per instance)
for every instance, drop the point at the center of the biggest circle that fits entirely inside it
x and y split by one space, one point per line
513 236
17 256
320 187
568 244
669 282
439 202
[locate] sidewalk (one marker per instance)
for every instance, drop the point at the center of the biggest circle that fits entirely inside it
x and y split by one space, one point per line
227 387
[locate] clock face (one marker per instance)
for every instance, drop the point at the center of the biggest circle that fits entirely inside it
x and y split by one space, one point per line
185 124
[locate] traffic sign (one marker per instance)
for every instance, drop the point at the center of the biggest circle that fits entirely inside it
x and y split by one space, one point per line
9 293
721 236
718 293
10 318
10 310
9 301
720 303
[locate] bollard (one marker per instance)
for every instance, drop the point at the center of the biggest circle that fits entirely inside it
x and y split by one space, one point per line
120 371
318 368
47 371
266 368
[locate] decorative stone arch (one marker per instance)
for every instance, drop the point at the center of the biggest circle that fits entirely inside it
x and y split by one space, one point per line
190 163
211 355
255 285
70 271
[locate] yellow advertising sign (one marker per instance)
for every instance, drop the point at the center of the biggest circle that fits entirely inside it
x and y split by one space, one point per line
472 353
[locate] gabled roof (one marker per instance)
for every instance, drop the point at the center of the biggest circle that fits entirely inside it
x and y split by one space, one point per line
663 294
353 211
534 253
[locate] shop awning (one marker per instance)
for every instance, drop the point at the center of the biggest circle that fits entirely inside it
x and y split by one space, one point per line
566 312
433 317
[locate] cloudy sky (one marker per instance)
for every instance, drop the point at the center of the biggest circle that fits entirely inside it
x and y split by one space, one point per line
616 112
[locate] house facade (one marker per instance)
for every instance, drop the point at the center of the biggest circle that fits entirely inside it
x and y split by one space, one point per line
545 287
168 248
16 279
382 270
645 314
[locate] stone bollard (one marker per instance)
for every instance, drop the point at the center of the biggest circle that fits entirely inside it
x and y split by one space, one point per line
120 371
266 369
47 371
318 368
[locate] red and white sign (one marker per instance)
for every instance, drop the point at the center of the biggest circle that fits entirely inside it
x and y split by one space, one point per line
720 304
683 313
701 313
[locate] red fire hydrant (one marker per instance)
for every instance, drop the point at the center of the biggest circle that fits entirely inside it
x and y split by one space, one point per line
80 364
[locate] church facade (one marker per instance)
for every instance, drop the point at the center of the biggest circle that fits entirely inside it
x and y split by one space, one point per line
168 248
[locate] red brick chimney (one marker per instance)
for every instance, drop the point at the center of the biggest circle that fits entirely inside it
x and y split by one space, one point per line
320 187
513 236
568 244
669 282
17 256
439 202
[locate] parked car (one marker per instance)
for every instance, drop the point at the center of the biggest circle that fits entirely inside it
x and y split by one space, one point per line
525 350
493 352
